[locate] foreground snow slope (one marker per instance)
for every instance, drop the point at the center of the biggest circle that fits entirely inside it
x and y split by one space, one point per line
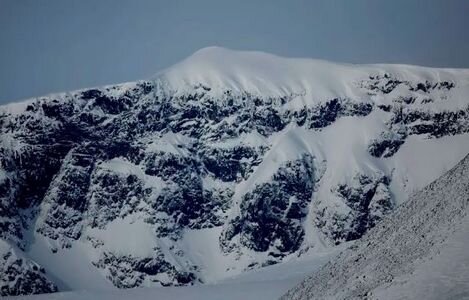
420 251
226 162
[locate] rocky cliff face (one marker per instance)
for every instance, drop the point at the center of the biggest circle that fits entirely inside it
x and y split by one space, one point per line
20 275
133 172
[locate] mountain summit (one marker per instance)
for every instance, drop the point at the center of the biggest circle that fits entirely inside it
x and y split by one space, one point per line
271 75
226 162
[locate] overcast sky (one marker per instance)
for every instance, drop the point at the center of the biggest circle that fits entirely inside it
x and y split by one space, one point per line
58 45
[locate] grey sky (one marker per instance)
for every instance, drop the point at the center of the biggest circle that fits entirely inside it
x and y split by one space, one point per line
58 45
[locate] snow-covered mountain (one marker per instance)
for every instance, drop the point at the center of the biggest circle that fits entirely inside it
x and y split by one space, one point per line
420 251
225 162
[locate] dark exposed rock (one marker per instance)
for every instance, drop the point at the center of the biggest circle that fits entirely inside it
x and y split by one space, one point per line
21 276
386 145
437 124
66 200
231 164
325 114
112 195
382 83
127 271
366 199
386 83
272 213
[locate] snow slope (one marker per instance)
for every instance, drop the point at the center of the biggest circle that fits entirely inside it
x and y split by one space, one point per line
444 274
420 251
266 283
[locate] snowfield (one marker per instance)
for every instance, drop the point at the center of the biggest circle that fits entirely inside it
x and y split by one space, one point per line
267 283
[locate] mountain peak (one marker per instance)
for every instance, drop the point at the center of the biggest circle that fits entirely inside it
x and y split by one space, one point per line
251 71
271 75
210 50
213 54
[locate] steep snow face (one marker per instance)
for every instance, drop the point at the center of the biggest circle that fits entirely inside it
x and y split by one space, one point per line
226 162
418 252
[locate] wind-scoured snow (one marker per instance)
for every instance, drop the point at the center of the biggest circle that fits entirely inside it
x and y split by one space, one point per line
443 274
